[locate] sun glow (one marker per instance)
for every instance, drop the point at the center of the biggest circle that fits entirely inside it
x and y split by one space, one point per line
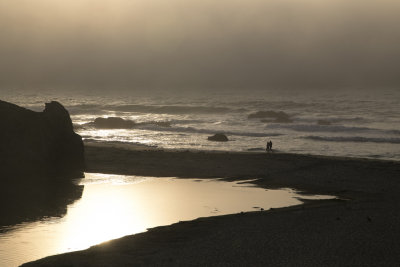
113 206
106 219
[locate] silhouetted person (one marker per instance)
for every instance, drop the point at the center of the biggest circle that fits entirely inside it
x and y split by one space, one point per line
269 146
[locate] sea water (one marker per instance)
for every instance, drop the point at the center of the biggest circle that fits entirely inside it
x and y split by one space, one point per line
340 123
113 206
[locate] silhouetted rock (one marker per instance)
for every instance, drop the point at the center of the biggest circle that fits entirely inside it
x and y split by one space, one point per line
271 116
39 144
218 137
113 123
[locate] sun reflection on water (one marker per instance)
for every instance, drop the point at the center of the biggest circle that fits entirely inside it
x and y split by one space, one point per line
100 218
113 206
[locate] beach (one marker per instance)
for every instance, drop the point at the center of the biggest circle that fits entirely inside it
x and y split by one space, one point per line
199 133
358 228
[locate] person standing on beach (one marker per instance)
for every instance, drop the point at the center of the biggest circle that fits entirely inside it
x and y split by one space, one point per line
269 146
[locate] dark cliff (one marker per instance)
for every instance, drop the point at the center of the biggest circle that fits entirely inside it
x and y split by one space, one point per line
39 144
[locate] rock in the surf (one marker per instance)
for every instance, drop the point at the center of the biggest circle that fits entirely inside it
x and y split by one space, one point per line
113 123
219 137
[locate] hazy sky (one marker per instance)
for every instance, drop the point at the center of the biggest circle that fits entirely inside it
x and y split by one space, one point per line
199 43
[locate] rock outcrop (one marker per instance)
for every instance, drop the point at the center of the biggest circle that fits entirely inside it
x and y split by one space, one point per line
219 137
113 123
39 144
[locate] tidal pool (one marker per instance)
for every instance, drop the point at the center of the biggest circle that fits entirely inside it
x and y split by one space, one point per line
113 206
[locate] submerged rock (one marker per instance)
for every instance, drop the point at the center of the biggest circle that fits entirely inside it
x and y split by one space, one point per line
39 144
113 123
271 116
219 137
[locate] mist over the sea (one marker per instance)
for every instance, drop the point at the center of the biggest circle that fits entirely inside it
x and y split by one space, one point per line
140 45
332 66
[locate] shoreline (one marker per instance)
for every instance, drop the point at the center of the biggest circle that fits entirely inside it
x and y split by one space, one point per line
268 170
143 147
360 228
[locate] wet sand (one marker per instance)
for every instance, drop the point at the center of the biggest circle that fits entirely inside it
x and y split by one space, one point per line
360 229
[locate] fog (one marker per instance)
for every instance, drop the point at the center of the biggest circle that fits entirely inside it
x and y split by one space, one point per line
195 44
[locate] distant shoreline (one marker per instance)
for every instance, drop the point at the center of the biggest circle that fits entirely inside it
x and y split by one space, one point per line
360 228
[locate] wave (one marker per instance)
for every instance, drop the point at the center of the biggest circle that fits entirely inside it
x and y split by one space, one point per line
159 126
349 119
155 109
93 109
169 109
205 131
119 123
262 103
329 128
397 132
271 116
164 127
186 121
358 139
214 108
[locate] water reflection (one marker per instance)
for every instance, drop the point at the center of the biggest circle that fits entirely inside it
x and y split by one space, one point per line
34 199
113 206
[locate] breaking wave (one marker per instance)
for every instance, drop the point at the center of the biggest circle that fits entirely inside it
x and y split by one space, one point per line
348 119
119 123
170 109
206 131
329 128
155 109
278 117
354 139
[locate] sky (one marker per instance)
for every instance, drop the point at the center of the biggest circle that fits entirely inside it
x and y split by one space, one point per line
197 44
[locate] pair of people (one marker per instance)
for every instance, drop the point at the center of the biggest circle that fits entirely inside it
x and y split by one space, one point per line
269 146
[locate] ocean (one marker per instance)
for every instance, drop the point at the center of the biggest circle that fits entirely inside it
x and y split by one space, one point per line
336 123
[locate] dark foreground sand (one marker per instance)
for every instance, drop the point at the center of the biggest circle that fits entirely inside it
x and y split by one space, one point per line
362 229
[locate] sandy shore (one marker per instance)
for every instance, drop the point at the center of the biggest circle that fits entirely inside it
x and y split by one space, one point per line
361 229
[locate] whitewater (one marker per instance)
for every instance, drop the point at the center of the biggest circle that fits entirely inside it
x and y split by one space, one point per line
349 124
